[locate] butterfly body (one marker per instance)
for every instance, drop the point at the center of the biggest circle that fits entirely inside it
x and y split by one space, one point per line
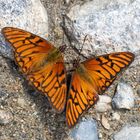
54 56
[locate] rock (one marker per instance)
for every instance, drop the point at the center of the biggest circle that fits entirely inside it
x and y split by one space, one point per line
5 117
129 133
85 130
105 122
103 104
21 102
115 116
111 25
29 15
124 97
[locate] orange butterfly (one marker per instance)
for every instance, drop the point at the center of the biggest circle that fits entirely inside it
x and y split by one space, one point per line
42 64
90 78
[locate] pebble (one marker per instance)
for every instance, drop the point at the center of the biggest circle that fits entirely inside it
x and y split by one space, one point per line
85 130
115 116
5 117
138 91
105 122
104 103
124 97
29 15
128 133
21 102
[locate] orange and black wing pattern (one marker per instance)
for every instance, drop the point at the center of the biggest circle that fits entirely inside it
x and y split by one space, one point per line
81 97
104 69
51 81
93 77
31 54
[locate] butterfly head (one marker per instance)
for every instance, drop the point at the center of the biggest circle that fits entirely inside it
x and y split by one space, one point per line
62 48
76 63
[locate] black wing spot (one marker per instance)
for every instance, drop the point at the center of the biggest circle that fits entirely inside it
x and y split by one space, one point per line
39 41
98 59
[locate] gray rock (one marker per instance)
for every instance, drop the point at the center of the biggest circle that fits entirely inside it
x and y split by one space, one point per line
104 103
26 14
124 97
5 117
86 130
111 25
128 133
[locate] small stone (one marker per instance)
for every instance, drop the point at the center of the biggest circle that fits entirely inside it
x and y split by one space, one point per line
5 117
67 1
128 133
105 122
115 116
138 91
124 97
100 135
104 103
86 130
21 102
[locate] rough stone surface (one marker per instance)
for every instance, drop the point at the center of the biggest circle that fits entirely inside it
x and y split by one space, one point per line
29 15
128 133
124 97
86 130
111 25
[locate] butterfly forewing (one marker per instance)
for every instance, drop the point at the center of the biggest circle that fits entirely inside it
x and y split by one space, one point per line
98 74
105 68
31 54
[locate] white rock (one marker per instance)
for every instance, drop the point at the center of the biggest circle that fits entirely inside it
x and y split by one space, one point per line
128 133
112 25
85 130
124 97
5 117
29 15
105 122
104 103
115 116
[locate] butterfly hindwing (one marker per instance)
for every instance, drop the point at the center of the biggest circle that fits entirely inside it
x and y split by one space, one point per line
81 97
48 75
51 81
93 77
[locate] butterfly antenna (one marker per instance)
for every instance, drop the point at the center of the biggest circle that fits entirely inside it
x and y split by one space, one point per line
80 50
70 32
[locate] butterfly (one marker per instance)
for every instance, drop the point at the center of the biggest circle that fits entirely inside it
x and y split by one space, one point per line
91 78
43 65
